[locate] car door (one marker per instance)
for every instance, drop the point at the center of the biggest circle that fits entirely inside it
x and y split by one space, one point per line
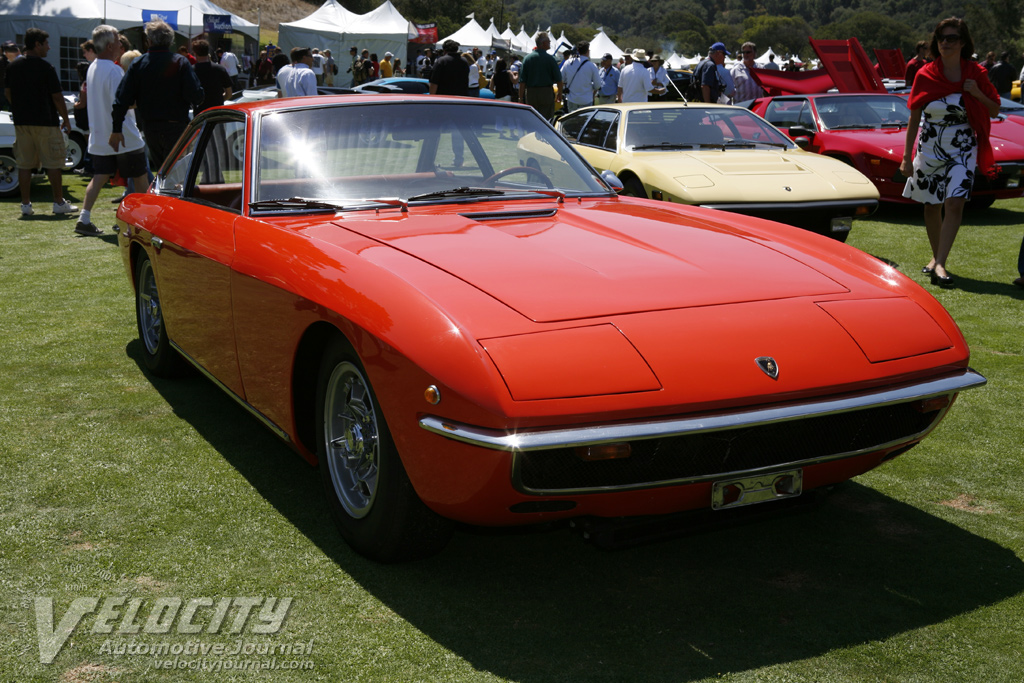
787 113
195 246
599 138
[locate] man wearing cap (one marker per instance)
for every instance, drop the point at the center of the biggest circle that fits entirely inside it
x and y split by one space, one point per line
582 79
634 79
387 67
539 77
609 81
659 79
706 73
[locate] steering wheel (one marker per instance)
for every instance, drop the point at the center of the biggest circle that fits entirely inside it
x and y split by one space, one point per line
493 180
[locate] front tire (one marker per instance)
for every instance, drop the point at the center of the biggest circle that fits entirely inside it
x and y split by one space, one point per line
157 354
371 498
632 187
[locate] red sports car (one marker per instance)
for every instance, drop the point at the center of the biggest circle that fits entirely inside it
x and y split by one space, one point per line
454 335
869 132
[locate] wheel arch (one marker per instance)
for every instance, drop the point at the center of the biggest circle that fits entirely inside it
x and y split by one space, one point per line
305 374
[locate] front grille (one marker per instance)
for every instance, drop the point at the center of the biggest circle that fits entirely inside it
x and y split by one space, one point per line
708 454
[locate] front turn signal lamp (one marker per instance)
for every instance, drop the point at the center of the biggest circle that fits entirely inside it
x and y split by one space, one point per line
607 451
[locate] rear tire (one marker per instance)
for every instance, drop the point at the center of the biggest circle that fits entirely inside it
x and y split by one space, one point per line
75 155
371 498
8 174
980 203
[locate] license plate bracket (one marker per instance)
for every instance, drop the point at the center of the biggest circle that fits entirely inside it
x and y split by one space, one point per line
760 488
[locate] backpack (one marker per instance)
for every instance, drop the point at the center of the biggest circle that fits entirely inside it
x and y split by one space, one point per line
693 91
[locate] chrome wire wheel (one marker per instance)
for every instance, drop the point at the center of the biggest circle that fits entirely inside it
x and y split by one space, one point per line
151 321
352 439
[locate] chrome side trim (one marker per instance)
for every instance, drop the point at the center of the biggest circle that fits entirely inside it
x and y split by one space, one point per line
270 424
540 439
739 207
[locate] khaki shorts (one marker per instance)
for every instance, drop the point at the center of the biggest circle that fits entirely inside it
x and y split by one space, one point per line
39 147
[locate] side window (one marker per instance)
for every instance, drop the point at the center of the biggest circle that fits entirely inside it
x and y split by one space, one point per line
597 129
572 125
173 182
612 141
789 113
221 158
805 118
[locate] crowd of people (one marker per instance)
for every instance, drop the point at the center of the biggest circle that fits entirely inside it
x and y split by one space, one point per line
136 105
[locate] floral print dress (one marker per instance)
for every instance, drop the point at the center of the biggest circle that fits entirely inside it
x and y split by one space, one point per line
947 153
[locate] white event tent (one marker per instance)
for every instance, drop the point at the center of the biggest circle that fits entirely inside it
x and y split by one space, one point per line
473 35
334 28
70 23
602 45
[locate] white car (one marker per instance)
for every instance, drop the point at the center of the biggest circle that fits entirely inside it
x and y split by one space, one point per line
77 141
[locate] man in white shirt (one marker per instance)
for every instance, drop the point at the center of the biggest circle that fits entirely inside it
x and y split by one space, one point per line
634 79
299 80
582 79
747 87
229 61
111 152
318 66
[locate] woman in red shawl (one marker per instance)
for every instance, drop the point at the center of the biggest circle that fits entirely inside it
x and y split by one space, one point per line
957 101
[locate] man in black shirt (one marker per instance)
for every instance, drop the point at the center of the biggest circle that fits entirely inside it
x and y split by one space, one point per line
1002 75
33 89
164 86
214 78
451 72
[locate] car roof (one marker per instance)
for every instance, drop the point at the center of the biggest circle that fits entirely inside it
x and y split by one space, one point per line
363 98
628 106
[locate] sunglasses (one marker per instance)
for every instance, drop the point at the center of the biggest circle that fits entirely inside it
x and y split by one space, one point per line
949 38
748 52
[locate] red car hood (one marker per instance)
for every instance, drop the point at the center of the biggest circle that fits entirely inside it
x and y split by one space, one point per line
570 265
1006 140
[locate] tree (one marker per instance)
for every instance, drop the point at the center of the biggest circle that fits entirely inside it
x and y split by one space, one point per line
873 31
785 35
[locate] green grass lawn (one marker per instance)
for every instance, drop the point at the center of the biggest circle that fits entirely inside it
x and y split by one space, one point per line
117 485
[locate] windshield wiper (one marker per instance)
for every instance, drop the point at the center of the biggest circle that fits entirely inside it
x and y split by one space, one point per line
665 145
755 143
458 192
852 126
295 203
895 124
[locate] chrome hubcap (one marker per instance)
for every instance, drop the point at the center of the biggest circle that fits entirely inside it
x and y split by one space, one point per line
351 433
151 320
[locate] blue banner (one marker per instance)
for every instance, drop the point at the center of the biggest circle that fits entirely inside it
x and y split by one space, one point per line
171 18
217 23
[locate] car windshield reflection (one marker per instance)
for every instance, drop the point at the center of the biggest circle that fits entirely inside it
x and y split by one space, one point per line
699 128
851 113
352 155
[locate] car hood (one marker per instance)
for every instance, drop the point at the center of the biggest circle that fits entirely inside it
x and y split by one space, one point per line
738 175
888 142
604 258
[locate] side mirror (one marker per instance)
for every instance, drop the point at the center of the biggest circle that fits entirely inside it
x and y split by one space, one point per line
801 131
803 142
612 181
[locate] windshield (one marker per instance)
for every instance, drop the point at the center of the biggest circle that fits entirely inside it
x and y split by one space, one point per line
416 151
697 127
863 111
